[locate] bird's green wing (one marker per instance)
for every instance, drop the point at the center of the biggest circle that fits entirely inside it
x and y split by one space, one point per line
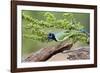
61 36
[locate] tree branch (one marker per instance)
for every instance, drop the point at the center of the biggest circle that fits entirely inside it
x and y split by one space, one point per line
45 53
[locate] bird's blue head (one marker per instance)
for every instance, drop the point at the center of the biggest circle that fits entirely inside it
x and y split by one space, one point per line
51 36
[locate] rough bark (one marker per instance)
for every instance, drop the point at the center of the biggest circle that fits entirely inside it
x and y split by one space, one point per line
45 53
78 53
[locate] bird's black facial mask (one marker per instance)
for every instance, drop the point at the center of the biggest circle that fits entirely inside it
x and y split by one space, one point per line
51 36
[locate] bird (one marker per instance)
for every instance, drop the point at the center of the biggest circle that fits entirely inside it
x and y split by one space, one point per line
64 35
57 36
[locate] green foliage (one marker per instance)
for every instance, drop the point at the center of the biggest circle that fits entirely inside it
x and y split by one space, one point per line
35 28
68 16
50 18
78 36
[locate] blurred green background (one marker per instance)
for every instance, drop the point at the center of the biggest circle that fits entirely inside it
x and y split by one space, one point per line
30 45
